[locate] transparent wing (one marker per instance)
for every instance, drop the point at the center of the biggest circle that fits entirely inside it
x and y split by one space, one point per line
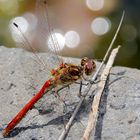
45 33
25 42
41 39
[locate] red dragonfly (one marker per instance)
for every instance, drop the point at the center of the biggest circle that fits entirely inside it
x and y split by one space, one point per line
66 73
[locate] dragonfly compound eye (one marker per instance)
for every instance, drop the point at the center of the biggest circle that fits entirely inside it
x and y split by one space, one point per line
84 60
89 67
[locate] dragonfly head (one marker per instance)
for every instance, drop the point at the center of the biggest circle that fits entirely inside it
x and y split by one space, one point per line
88 65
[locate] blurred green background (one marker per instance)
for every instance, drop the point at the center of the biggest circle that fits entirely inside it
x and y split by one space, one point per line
87 25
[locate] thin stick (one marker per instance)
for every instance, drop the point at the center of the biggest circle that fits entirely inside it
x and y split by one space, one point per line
66 130
110 47
101 85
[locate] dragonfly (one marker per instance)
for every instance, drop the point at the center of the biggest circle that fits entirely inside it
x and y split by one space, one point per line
65 73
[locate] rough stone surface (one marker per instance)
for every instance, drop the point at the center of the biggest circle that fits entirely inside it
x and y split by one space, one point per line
21 77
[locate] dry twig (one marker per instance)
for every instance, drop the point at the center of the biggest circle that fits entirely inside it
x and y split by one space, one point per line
101 85
68 125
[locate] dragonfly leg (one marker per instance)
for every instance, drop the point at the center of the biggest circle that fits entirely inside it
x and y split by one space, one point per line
95 81
80 89
92 82
55 93
81 84
85 78
65 86
85 84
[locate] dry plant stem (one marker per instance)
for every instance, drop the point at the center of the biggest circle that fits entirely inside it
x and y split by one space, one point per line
68 125
109 48
95 105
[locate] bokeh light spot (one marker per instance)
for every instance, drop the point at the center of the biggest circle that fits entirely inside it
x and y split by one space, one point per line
72 39
32 20
23 25
56 42
95 5
100 25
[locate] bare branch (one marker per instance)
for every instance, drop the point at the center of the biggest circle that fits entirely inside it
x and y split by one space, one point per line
101 85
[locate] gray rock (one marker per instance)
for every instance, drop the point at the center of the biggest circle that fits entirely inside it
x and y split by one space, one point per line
21 77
